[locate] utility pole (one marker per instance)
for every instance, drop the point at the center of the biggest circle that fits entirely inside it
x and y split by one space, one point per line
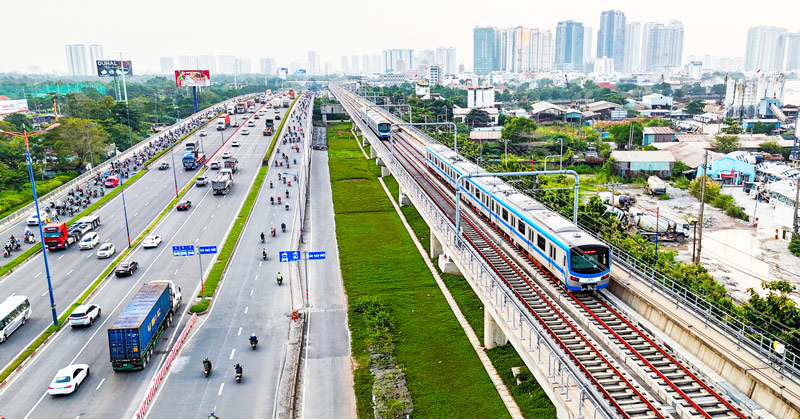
796 198
702 208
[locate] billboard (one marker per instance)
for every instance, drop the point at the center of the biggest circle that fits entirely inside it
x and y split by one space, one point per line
191 78
13 106
114 68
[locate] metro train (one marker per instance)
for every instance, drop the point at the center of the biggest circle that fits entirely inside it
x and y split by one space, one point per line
377 123
578 260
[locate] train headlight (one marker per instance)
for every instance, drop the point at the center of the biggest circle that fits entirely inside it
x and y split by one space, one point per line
605 276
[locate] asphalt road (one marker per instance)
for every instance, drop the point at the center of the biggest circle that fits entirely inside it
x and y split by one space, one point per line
250 301
116 394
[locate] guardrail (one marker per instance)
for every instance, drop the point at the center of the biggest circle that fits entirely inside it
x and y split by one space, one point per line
15 216
570 383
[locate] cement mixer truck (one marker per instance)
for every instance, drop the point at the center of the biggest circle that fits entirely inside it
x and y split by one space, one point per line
668 230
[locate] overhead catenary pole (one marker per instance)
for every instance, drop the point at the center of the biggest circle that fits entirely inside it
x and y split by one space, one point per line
796 198
202 285
124 87
702 208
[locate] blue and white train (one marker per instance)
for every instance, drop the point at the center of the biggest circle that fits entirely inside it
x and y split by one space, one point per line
377 123
580 261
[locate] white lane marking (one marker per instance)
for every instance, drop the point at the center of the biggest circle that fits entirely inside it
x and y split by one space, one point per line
176 272
136 214
197 239
88 256
146 187
245 309
147 203
112 216
121 227
36 276
251 292
101 383
107 240
204 228
259 264
218 205
59 258
233 351
221 386
212 215
45 293
240 332
70 271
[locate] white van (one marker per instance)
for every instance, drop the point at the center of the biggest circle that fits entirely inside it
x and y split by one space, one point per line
13 313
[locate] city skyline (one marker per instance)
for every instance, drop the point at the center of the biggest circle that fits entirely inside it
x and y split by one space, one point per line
702 31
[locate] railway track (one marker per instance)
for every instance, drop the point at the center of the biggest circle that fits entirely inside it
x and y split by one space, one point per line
637 377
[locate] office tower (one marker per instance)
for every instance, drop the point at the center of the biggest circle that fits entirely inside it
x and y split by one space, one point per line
95 54
313 62
611 37
354 64
633 46
434 73
267 66
792 52
226 64
365 67
398 60
345 65
243 66
446 58
78 60
524 50
327 68
167 65
765 48
569 46
662 46
426 57
484 58
375 63
207 62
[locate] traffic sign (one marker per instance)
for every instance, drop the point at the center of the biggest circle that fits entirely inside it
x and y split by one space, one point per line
316 255
187 250
208 250
290 256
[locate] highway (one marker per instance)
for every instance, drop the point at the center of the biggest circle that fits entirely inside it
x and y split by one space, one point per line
250 301
206 223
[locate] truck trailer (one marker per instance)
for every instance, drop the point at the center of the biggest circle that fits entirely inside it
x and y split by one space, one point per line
222 183
667 230
137 330
193 160
223 122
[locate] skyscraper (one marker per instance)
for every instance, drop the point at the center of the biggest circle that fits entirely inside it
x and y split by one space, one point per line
523 49
662 46
243 66
792 52
78 60
633 47
569 46
226 64
207 62
189 62
345 65
611 37
765 48
267 66
313 62
354 64
484 57
95 53
398 60
588 51
167 65
446 58
365 67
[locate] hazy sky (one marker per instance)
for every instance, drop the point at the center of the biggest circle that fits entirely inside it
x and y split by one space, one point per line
146 30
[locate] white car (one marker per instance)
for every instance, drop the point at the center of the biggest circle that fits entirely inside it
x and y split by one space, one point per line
33 220
201 181
203 133
214 165
251 124
245 131
68 379
226 155
235 143
106 251
89 241
84 315
151 241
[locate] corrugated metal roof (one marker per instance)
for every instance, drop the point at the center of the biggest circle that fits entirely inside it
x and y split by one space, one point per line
485 135
658 130
643 156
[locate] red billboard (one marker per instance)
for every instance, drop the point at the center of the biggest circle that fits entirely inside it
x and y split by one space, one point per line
191 78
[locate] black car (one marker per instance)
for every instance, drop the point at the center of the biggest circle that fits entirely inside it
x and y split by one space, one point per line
126 268
185 205
163 166
277 117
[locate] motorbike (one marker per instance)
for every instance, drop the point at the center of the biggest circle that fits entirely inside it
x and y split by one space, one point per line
271 200
262 237
287 207
283 227
279 200
264 254
6 252
270 185
30 239
206 367
279 278
238 369
287 193
253 342
273 231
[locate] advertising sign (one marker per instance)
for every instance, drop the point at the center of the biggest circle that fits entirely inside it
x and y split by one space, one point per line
191 78
114 68
13 106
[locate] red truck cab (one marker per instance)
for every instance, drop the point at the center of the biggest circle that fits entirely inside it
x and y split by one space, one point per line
56 236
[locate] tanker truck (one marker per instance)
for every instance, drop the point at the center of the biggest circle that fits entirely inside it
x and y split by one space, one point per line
668 230
623 202
655 186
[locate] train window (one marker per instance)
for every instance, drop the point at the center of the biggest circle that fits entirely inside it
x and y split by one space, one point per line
521 227
505 214
552 252
540 241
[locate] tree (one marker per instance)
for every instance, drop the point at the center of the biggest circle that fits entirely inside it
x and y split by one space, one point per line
621 132
519 129
611 96
732 127
771 147
663 88
625 87
761 128
695 107
725 143
19 121
478 118
718 89
70 140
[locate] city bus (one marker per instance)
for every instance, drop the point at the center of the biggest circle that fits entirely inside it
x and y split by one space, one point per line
13 313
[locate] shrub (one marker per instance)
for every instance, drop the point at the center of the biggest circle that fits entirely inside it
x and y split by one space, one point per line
794 245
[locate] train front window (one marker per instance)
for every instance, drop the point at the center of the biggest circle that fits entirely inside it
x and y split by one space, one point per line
589 259
383 127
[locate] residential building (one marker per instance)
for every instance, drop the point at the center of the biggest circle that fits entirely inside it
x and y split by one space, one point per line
365 67
633 46
295 66
569 46
391 79
446 58
792 52
657 135
167 65
267 66
398 60
426 57
662 46
635 163
588 36
189 62
243 66
207 62
95 53
313 63
435 74
611 37
603 66
484 59
694 70
345 65
480 96
354 64
226 64
765 48
327 68
523 49
375 63
78 60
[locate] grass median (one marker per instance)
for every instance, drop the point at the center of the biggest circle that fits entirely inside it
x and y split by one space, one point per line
218 270
378 258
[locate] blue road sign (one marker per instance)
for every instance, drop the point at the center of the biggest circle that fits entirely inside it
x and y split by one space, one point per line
208 250
316 255
187 250
290 256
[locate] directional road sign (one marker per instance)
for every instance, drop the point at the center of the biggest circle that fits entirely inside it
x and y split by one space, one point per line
208 250
316 255
187 250
290 256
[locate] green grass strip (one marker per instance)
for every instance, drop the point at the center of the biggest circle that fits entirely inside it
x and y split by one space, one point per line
102 277
216 272
378 258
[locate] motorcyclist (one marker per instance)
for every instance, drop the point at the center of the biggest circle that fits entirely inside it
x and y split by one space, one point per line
264 253
253 339
283 227
213 416
207 364
262 237
270 184
238 369
287 193
273 231
279 278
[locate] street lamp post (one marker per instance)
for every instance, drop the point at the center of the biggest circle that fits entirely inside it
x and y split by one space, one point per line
125 210
174 174
29 161
89 142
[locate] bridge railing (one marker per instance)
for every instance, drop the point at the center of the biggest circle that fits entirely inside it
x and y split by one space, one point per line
568 381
